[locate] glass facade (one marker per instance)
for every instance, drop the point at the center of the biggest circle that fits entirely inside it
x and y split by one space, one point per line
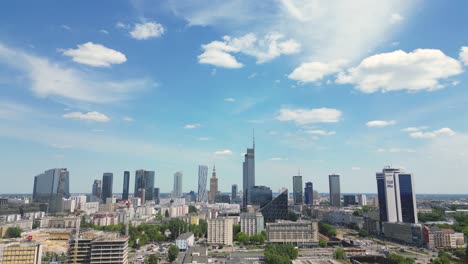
107 184
248 173
144 180
335 193
51 187
177 190
309 193
406 198
97 189
202 180
260 195
277 209
156 195
234 191
126 185
382 197
349 200
297 189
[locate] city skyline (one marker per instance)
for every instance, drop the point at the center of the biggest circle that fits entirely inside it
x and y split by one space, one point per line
83 87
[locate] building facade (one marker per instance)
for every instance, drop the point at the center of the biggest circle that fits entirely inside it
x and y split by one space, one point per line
23 252
277 209
177 189
184 241
220 231
309 193
252 223
335 190
234 191
202 180
144 180
297 190
213 187
97 189
362 199
104 249
300 233
51 187
107 185
349 199
126 185
248 174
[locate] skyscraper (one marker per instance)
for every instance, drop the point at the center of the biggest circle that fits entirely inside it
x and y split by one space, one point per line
335 193
51 187
213 186
297 189
126 185
260 195
362 199
309 193
107 184
202 177
349 199
397 199
177 190
156 194
234 191
248 173
97 189
144 180
277 209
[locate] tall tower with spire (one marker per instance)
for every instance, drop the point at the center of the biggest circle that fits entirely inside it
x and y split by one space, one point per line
213 186
248 173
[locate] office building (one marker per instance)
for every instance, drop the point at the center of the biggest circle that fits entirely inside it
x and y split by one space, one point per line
260 195
107 248
297 190
309 193
51 187
126 185
277 209
144 180
396 196
335 193
248 174
21 252
362 199
97 189
349 200
156 195
220 231
107 185
213 187
442 238
282 189
184 241
252 223
409 233
177 189
300 233
234 191
222 198
202 178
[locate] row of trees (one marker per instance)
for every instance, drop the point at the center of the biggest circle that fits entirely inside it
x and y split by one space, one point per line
280 254
257 239
13 232
327 229
437 214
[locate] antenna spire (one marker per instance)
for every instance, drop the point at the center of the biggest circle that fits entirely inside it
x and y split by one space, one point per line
253 136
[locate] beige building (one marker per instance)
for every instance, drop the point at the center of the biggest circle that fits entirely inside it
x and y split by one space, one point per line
21 253
220 231
443 238
300 233
104 249
251 223
23 224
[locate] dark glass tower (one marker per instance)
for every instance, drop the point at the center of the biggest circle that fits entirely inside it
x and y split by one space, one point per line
97 189
234 191
407 198
277 209
335 193
51 187
349 200
248 173
126 185
107 184
309 193
260 195
297 190
156 195
144 180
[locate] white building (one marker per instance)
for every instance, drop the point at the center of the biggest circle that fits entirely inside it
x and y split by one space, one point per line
90 208
184 241
252 223
362 199
79 200
220 231
69 205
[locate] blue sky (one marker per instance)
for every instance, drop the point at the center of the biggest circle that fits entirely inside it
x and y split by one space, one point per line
329 86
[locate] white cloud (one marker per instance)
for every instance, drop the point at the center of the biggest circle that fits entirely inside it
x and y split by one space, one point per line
67 28
315 71
121 25
396 18
396 150
320 132
192 126
464 55
229 99
127 119
12 110
103 31
380 123
272 45
433 134
50 79
203 138
413 129
225 152
89 116
278 159
309 116
421 69
95 55
147 30
355 168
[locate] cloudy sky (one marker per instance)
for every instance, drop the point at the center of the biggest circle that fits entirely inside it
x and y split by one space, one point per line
341 87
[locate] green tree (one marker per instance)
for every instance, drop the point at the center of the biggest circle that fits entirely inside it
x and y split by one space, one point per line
339 253
192 209
292 216
152 259
397 259
242 238
327 229
257 239
235 230
322 242
203 226
363 233
280 254
13 232
172 253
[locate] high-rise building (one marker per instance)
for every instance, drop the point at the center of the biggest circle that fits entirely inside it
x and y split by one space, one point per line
335 193
362 199
213 187
220 231
248 173
397 199
97 189
107 184
260 195
177 190
297 190
103 249
51 187
349 199
126 185
144 180
277 209
202 178
309 193
156 194
234 191
252 223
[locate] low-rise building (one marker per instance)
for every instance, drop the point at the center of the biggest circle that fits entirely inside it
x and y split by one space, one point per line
23 224
62 222
185 240
220 231
104 219
21 252
252 223
196 255
300 233
89 208
403 232
108 248
435 237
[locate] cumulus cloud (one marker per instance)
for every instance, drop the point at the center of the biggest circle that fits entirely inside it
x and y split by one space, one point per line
225 152
433 134
272 45
464 55
278 159
413 129
396 18
380 123
192 126
229 99
50 79
315 71
421 69
95 55
320 132
89 116
142 31
309 116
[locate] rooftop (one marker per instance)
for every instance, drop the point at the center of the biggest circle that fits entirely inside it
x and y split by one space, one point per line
184 236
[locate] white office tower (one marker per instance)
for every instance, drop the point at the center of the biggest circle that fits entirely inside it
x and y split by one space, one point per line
362 199
202 178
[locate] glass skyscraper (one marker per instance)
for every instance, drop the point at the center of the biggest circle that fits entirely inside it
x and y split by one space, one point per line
277 209
297 190
51 187
260 195
349 200
107 184
97 189
335 193
126 185
202 178
144 180
248 173
309 193
234 191
177 190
